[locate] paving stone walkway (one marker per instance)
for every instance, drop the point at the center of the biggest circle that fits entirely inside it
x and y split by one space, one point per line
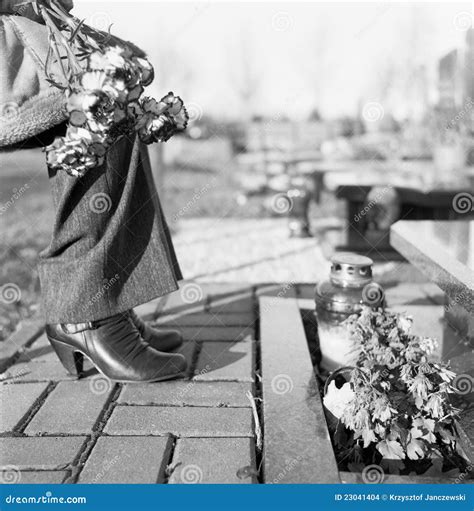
55 429
198 429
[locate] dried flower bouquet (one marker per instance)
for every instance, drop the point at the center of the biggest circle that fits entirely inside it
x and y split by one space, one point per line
395 410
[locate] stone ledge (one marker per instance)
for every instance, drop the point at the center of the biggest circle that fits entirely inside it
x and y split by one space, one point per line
297 447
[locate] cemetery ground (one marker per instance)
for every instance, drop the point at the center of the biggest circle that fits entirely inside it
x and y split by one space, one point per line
226 421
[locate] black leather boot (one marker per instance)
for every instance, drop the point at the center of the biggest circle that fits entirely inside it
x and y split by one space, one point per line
162 339
116 349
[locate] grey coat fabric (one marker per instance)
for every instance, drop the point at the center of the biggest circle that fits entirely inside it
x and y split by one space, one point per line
29 104
111 248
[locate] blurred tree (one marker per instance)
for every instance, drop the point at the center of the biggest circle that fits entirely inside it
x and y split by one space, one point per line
243 71
314 69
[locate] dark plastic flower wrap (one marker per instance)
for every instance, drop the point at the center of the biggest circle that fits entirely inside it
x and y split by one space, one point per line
104 100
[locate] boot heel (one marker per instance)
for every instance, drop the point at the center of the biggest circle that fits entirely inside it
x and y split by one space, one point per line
70 359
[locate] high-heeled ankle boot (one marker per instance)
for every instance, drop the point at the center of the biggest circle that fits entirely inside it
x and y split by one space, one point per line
116 349
163 339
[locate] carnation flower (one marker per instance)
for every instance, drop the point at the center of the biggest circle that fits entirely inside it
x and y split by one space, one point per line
404 323
104 99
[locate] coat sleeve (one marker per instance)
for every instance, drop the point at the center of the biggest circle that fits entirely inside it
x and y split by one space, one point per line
25 8
29 104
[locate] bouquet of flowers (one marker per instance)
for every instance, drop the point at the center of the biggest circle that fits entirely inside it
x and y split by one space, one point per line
103 79
395 405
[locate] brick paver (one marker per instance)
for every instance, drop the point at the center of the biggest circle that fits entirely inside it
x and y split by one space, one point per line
129 460
218 333
236 304
208 319
180 421
72 407
224 361
213 460
16 400
40 351
43 453
42 477
188 393
38 371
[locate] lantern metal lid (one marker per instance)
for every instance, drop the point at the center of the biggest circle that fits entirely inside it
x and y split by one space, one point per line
351 270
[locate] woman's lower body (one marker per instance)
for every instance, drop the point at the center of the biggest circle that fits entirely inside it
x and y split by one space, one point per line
111 250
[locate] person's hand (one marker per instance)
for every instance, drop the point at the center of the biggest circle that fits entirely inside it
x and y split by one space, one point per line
26 9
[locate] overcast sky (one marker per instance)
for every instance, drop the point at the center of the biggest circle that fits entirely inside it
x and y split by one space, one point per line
287 57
